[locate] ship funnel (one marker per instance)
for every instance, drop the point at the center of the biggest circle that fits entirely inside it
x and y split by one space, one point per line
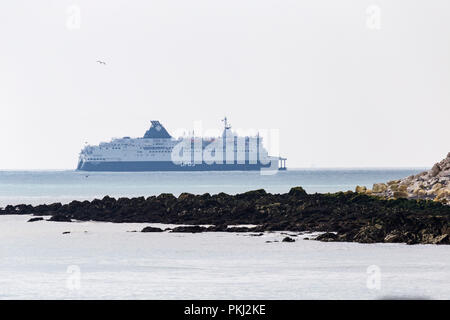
157 131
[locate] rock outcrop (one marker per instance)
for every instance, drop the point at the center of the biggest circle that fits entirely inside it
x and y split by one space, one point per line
60 218
433 184
151 229
288 239
189 229
345 216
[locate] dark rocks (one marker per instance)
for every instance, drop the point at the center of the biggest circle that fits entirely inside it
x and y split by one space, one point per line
164 197
397 236
66 232
328 236
186 196
434 239
288 239
343 216
60 218
442 239
298 192
189 229
35 219
370 234
151 229
252 195
219 228
394 237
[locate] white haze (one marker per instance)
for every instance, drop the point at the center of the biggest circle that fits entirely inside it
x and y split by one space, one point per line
341 94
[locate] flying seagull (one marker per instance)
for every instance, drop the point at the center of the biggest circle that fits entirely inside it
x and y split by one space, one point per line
101 62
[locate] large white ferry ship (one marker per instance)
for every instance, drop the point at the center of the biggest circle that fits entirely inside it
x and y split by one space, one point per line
157 150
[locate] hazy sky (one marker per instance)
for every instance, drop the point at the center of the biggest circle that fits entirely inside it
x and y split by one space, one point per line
347 83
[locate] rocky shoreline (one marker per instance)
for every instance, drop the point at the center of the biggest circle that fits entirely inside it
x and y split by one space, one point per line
431 185
343 216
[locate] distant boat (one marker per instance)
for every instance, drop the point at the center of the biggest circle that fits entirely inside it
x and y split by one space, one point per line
157 150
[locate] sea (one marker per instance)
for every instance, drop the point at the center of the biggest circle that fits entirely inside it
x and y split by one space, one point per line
100 260
38 187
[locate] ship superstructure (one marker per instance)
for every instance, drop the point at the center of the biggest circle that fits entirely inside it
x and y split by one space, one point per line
157 150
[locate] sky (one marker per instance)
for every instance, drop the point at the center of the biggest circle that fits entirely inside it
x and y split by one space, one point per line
347 83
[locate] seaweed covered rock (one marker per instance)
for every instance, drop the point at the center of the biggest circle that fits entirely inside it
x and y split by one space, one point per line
297 192
151 229
288 239
60 218
189 229
327 236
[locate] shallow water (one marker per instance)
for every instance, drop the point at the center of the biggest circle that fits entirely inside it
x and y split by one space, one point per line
39 262
36 187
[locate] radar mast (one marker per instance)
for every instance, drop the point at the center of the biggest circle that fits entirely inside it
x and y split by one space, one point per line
226 124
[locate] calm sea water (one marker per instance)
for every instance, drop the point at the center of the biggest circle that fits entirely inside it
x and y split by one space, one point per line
36 187
99 260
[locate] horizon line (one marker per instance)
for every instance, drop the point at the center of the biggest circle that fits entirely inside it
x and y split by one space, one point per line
288 168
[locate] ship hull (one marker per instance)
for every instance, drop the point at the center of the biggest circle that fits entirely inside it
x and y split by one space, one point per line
136 166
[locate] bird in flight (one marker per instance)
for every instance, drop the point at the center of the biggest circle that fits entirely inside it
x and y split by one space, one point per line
101 62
